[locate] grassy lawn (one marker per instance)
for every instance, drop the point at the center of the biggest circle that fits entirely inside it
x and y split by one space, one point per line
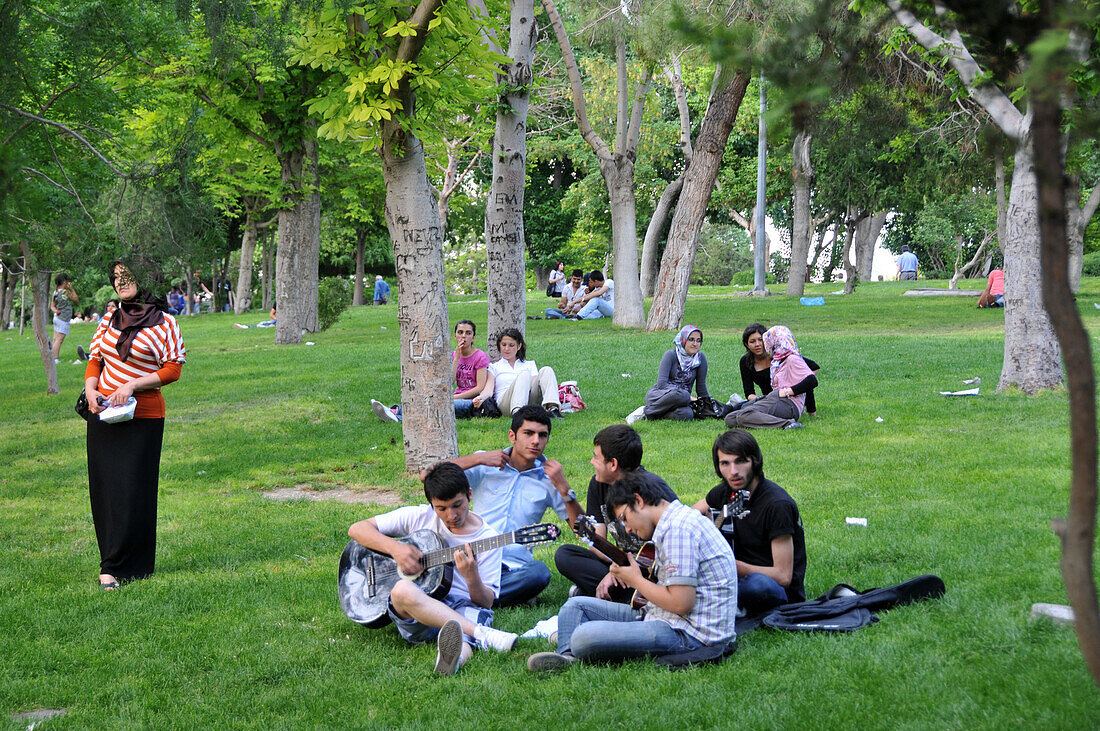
241 626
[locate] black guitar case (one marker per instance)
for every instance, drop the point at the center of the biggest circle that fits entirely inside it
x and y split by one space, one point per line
366 578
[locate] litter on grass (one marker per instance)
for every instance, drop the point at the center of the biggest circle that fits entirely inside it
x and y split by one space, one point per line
856 521
973 381
309 342
967 392
810 301
383 327
626 375
878 419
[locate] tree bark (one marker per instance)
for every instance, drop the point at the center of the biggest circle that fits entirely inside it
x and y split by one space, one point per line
505 243
1078 531
297 259
651 243
1031 357
40 291
270 243
867 233
667 310
1078 216
360 266
802 175
999 188
248 251
851 275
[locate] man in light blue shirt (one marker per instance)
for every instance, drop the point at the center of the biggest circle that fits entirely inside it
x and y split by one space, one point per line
907 264
381 290
513 488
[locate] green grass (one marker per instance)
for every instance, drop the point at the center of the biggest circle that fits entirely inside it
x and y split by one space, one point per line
241 626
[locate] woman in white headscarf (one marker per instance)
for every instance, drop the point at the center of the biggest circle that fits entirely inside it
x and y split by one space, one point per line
682 368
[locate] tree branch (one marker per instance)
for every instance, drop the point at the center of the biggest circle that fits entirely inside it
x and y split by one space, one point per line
67 130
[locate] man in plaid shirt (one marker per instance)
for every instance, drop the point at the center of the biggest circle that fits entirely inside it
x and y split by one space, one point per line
692 603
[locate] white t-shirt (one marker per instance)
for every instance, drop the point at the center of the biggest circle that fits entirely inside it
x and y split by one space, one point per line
505 374
609 295
403 521
570 294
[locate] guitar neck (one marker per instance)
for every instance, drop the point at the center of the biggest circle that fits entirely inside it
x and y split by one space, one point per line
609 549
446 555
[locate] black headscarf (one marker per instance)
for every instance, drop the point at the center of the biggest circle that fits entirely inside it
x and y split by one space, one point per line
144 310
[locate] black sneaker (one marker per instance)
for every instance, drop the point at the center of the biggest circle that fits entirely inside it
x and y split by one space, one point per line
555 412
80 353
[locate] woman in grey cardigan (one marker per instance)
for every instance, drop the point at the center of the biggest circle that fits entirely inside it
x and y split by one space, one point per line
682 368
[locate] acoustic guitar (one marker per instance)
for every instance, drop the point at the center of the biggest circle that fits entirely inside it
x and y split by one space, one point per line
366 577
646 557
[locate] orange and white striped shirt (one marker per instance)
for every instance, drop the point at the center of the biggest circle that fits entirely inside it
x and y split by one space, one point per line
157 350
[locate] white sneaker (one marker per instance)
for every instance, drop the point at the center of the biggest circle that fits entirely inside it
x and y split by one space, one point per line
735 398
56 360
574 590
635 415
383 412
488 638
448 658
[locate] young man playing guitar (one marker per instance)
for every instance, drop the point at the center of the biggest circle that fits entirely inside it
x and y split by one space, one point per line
463 618
512 488
693 602
616 451
767 539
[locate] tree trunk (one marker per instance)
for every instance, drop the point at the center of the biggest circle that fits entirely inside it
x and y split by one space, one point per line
619 177
1078 216
1032 359
244 275
542 278
999 189
7 296
802 174
652 241
667 310
505 244
428 424
40 291
360 266
851 276
1078 531
867 233
269 267
296 261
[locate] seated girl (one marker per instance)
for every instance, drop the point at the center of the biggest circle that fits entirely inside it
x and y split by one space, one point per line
516 382
791 378
471 372
756 367
681 368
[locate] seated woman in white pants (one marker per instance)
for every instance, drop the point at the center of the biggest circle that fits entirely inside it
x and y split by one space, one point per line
516 382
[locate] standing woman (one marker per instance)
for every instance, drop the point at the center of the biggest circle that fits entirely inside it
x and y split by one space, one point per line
557 280
516 382
791 378
681 368
135 350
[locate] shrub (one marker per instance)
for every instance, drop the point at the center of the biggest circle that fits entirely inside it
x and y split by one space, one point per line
1090 266
333 297
748 277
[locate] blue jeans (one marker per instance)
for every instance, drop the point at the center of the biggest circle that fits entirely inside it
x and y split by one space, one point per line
596 308
554 314
464 407
520 584
596 630
759 593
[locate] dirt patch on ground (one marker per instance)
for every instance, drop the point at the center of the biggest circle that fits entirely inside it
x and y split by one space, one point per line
365 495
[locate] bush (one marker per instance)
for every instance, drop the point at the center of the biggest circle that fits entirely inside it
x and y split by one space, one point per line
748 277
1090 266
333 297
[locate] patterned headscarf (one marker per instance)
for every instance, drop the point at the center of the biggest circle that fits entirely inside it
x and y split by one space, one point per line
780 343
687 362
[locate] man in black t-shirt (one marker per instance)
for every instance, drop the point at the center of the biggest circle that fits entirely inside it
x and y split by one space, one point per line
768 542
616 450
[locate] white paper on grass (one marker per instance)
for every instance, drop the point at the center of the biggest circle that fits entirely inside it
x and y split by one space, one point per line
856 521
967 392
972 381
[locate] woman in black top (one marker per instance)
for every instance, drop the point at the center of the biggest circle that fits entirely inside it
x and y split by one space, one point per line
756 367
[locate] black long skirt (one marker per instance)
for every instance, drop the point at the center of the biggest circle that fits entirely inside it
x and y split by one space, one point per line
123 474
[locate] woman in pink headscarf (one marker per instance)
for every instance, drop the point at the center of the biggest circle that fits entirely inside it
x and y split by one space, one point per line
791 378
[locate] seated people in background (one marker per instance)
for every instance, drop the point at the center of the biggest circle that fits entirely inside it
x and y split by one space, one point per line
616 451
381 290
512 488
994 294
756 367
791 378
266 323
463 618
681 368
515 381
470 366
571 294
692 603
599 301
768 541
